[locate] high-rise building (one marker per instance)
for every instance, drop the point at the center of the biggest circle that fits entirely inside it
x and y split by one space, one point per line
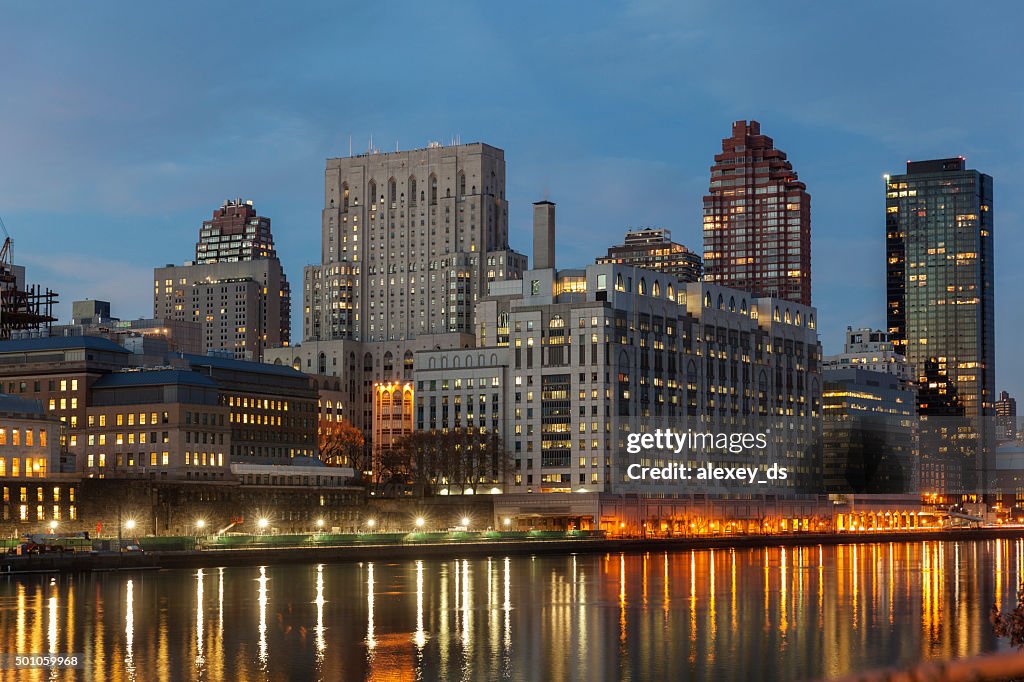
939 268
654 250
235 233
1006 417
757 219
236 289
410 241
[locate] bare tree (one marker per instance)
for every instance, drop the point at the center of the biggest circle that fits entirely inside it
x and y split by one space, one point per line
456 459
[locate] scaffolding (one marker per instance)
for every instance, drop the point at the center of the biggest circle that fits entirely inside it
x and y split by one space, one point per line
21 307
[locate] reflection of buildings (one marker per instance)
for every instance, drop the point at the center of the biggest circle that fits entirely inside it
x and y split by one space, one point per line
939 265
869 404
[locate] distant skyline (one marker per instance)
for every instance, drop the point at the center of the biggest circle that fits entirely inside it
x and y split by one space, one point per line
128 125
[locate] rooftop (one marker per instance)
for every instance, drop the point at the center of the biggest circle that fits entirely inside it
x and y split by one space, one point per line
61 343
240 365
13 404
155 378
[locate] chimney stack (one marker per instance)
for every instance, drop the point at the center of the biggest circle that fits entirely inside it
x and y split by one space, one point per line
543 235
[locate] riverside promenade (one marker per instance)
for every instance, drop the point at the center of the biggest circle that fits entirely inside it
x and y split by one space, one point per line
256 550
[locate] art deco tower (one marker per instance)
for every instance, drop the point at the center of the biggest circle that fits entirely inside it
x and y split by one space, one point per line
757 219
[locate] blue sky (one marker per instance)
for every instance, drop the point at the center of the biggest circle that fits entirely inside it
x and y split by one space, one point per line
123 126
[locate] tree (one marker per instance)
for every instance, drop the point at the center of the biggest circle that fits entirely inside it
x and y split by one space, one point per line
457 459
1010 624
342 444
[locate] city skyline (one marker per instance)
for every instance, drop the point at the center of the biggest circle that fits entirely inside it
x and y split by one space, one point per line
649 168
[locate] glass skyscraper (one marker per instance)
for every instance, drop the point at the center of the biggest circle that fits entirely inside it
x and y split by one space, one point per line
939 268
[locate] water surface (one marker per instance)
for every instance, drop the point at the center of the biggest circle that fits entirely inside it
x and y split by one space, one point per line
766 614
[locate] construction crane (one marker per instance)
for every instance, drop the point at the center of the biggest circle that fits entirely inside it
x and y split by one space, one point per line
21 306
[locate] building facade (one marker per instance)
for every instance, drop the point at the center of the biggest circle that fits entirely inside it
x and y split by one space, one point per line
157 424
653 249
410 240
757 219
236 288
939 270
569 363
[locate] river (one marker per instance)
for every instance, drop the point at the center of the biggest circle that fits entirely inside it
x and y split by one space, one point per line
767 614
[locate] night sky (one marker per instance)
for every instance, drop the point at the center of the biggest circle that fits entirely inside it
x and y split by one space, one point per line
122 127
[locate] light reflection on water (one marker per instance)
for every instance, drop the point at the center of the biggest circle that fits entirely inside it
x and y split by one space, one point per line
776 613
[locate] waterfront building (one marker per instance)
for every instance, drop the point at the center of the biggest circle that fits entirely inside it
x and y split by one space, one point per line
940 288
236 288
272 409
757 219
869 432
570 362
653 249
157 424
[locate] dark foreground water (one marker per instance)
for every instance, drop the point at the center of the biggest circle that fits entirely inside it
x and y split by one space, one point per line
759 614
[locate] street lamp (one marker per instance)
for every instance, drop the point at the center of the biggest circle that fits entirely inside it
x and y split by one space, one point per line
130 524
420 521
465 521
320 524
262 523
507 522
201 524
371 523
53 526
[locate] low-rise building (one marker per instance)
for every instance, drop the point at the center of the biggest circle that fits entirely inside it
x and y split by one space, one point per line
158 424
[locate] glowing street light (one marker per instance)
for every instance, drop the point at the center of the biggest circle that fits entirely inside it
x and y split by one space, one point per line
370 523
465 521
507 521
201 524
320 524
53 525
420 521
130 524
262 523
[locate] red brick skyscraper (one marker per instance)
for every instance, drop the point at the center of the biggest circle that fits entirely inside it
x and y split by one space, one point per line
757 219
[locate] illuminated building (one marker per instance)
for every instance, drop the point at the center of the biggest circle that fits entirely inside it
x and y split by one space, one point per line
757 219
273 410
410 242
157 424
569 362
236 288
392 420
939 270
654 250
